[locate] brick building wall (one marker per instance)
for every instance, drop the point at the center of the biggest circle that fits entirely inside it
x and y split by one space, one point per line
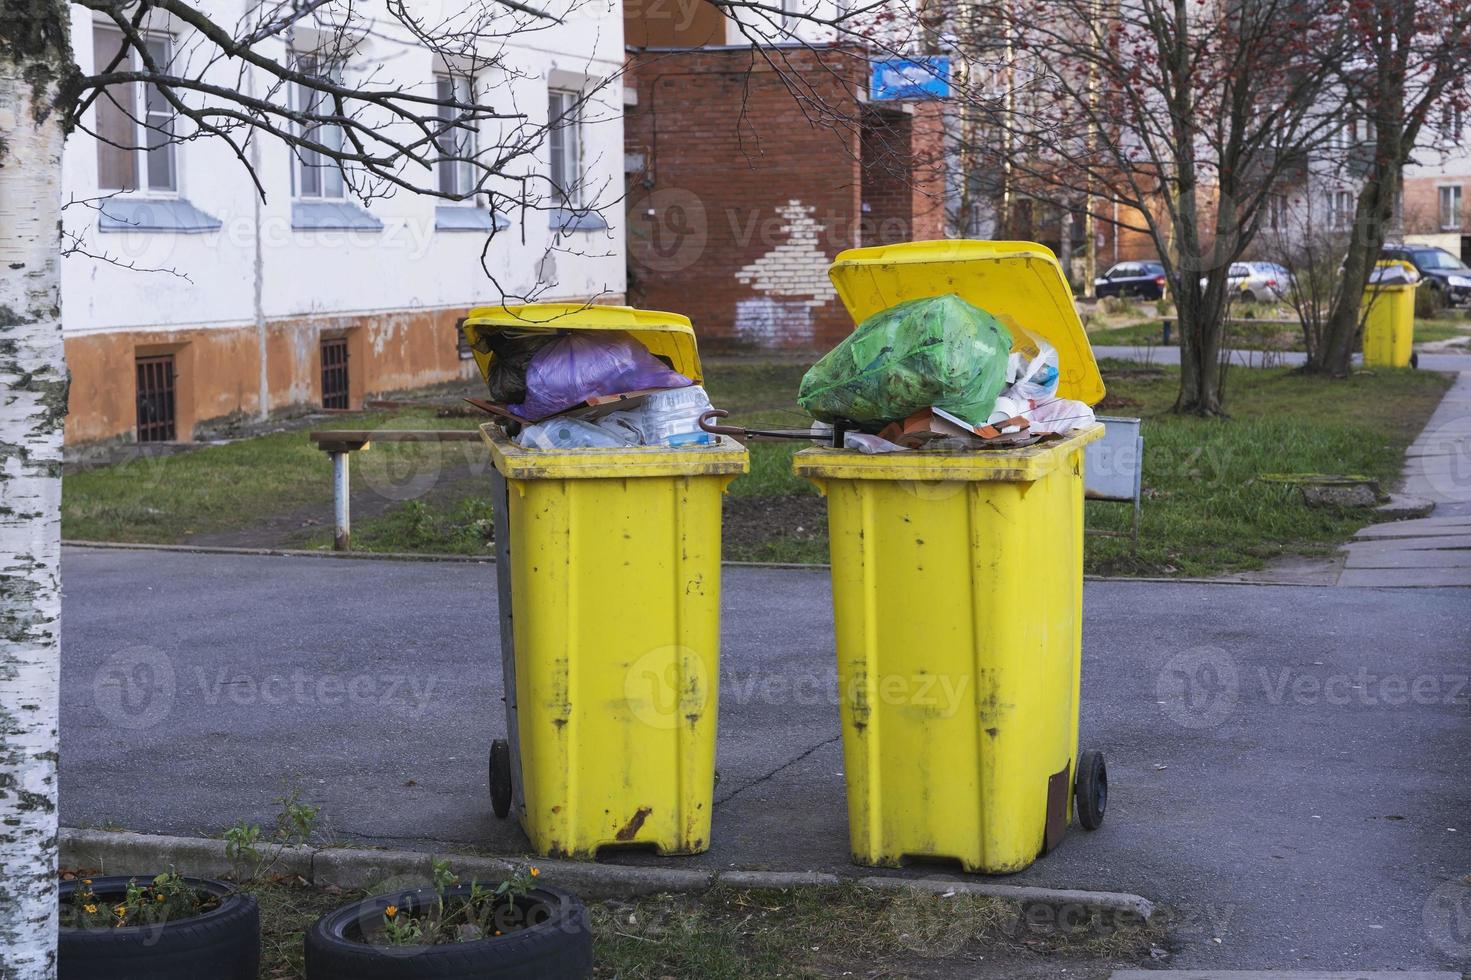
1423 220
902 150
740 195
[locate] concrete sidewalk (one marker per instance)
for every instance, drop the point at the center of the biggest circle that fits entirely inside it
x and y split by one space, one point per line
1287 764
1435 550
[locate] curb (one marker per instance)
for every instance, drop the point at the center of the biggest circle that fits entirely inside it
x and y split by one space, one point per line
127 853
490 560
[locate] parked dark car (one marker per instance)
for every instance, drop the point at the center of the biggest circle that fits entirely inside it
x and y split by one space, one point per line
1442 271
1144 280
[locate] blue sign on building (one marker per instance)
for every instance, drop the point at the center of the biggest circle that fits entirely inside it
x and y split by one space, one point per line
909 78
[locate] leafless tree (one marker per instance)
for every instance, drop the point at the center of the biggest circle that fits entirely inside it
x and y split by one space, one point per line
322 76
1176 119
1409 62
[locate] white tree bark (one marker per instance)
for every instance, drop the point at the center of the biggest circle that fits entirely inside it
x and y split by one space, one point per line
32 408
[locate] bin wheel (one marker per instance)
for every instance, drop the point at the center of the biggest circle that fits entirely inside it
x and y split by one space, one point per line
500 778
1092 789
1414 359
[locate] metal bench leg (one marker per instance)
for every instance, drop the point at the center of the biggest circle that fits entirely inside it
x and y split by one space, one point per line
342 529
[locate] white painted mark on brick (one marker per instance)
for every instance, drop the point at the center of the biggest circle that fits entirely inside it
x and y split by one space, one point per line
792 277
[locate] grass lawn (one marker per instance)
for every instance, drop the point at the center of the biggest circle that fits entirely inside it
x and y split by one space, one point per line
728 934
1205 511
1244 336
169 498
1429 331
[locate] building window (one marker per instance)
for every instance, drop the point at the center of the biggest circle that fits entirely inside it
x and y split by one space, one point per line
135 123
1277 212
789 11
564 141
334 373
1450 208
1340 210
156 399
318 171
1452 121
457 144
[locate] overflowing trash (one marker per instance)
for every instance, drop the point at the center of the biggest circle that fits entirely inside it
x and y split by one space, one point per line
589 390
940 374
579 366
937 373
940 351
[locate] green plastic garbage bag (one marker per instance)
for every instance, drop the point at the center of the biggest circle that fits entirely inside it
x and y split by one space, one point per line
940 351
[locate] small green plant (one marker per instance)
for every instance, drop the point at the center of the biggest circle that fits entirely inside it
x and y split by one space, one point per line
296 822
246 860
458 918
167 898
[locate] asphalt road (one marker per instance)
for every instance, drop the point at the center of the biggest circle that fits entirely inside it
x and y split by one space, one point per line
1288 764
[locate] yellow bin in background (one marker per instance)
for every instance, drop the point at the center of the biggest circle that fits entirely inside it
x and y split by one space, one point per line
1389 324
957 595
609 577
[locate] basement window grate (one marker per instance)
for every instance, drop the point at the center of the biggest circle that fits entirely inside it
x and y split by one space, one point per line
156 403
334 373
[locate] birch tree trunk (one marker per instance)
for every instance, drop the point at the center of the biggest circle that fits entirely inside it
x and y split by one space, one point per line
33 57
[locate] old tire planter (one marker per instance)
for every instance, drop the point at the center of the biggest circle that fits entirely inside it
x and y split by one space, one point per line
557 947
223 943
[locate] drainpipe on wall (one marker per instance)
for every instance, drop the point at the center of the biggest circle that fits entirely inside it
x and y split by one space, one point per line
263 396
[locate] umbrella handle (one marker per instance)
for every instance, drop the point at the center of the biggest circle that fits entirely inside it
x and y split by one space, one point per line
707 423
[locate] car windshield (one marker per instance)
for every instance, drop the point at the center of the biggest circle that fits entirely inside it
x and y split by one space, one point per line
1437 258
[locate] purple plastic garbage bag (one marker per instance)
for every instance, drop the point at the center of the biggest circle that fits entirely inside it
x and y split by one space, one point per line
572 369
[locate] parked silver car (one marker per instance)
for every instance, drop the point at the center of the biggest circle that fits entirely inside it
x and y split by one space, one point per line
1257 282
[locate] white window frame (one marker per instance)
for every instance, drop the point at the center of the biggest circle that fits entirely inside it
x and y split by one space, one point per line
789 11
1452 122
1450 199
1277 212
141 117
460 174
564 161
327 175
1340 210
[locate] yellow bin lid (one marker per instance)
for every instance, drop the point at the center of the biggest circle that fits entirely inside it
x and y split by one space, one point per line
1020 283
667 335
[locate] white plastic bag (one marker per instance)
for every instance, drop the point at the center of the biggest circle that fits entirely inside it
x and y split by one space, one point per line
871 445
1058 415
570 433
1037 374
666 414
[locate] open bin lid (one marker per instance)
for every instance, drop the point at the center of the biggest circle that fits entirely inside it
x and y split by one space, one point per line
666 335
1020 283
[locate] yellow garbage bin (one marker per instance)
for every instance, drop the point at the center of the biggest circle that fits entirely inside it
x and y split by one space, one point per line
608 565
957 596
1389 323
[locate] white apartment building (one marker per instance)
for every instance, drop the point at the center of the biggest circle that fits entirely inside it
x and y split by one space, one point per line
308 297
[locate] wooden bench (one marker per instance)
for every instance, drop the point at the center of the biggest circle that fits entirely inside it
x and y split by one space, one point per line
342 443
